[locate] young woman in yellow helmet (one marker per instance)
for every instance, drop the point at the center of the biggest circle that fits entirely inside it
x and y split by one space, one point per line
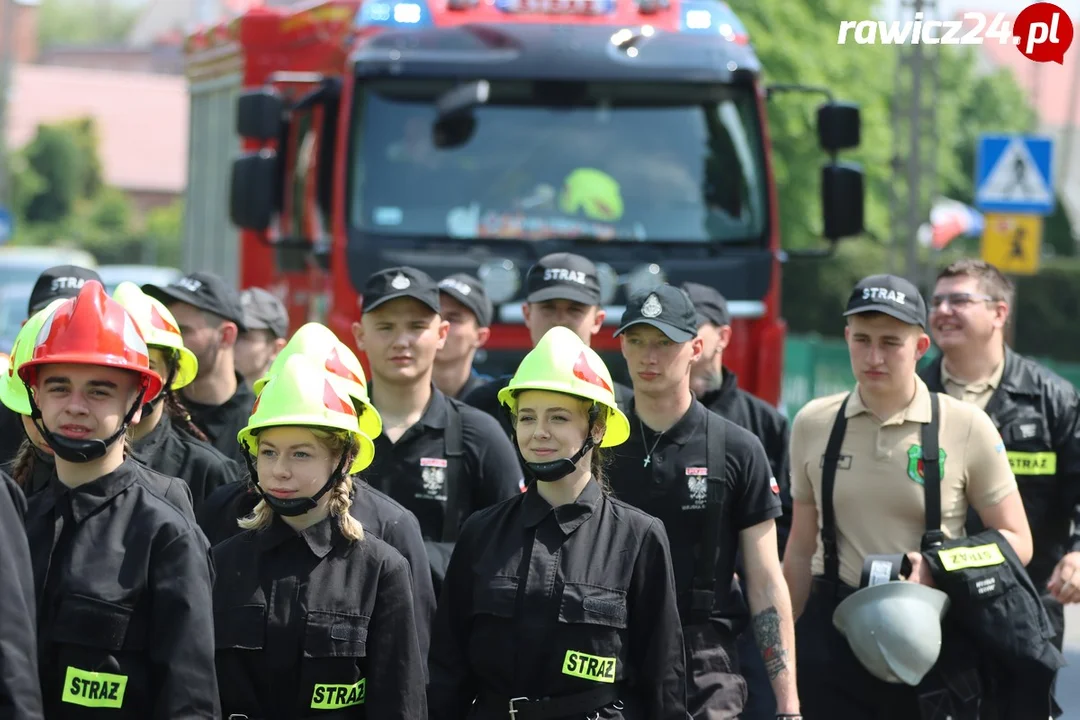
158 440
376 511
559 604
313 616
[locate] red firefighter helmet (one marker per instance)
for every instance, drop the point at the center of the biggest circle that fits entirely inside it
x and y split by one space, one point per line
92 329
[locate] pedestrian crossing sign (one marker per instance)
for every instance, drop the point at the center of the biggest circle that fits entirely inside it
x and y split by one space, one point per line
1013 243
1014 174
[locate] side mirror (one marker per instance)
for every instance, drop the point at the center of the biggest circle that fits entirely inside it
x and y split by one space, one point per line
251 190
258 114
838 126
842 200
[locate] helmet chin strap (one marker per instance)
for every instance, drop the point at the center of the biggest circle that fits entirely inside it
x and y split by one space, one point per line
558 469
78 450
294 507
149 407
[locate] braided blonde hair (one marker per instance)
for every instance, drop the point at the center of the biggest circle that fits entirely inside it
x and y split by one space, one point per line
343 446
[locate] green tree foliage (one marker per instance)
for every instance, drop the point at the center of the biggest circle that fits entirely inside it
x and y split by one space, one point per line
55 156
85 22
797 43
61 198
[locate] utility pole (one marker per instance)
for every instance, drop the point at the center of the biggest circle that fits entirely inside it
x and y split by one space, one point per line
913 122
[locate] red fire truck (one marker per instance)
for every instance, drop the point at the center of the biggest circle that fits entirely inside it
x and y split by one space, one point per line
479 135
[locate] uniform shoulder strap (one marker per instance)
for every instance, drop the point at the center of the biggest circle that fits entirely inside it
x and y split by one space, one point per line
455 458
828 482
704 584
931 462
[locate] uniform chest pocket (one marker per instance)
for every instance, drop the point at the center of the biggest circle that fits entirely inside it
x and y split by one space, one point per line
96 623
240 628
495 596
331 634
593 605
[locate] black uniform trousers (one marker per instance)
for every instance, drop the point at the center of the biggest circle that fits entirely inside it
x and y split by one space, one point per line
833 684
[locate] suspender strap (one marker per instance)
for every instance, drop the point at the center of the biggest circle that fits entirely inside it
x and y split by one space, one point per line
931 460
455 456
828 483
703 590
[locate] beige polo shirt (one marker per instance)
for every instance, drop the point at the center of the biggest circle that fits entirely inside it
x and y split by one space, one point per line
977 393
878 496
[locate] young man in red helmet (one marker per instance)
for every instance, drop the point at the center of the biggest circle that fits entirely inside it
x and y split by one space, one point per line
122 578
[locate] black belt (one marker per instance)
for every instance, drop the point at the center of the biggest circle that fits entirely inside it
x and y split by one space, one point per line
522 708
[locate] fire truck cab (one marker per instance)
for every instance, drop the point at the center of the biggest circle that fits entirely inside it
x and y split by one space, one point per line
479 135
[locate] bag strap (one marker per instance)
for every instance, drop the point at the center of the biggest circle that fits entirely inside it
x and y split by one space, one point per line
828 483
455 458
703 590
931 459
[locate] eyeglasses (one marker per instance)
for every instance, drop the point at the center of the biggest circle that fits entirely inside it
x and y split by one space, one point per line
958 300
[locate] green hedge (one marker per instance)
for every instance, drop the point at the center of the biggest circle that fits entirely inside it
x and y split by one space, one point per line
1047 311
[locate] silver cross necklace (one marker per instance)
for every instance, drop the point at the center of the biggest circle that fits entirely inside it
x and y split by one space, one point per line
645 445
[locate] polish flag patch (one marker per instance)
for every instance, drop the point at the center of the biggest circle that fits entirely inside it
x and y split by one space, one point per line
774 486
697 471
433 462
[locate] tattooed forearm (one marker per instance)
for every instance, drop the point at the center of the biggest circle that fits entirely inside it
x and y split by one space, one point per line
767 631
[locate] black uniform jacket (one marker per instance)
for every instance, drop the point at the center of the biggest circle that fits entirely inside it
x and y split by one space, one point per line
170 489
311 625
547 602
172 452
1038 416
122 581
380 515
223 422
20 693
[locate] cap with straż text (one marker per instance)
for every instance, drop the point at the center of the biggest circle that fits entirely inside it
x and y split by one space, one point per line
205 291
563 276
61 281
667 308
400 282
470 292
894 296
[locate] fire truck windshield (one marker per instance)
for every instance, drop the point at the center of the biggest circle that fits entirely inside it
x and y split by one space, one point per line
601 161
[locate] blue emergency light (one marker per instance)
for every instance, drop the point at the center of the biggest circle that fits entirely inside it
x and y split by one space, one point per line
708 17
394 13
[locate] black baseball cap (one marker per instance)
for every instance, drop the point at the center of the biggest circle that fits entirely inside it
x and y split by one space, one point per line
399 282
891 295
563 276
61 281
711 306
263 311
205 291
667 308
470 292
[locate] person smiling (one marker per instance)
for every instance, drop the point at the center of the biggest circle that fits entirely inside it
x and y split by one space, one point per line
560 602
122 577
312 615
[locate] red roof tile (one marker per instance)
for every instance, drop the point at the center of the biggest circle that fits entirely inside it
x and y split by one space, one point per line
142 119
